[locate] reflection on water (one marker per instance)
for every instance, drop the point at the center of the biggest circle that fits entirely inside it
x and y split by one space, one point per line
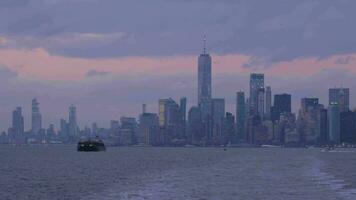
59 172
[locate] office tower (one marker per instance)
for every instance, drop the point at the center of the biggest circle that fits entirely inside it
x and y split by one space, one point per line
204 92
128 122
268 102
168 110
17 121
229 129
183 111
114 127
285 130
309 120
240 114
256 83
64 128
51 129
114 124
72 124
183 108
283 103
347 127
94 128
36 118
128 131
261 103
309 103
341 96
218 112
253 128
334 123
170 119
51 133
195 126
147 122
323 126
204 77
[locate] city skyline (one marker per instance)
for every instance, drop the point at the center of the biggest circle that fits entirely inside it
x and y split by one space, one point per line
260 119
28 124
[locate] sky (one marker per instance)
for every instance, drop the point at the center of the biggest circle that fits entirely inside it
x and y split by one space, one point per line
108 57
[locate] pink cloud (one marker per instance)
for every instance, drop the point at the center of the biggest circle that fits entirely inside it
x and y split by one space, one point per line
38 63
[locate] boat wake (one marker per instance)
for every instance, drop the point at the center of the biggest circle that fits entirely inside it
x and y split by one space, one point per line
337 185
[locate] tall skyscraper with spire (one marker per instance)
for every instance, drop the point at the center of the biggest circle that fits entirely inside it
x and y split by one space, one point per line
204 90
36 117
204 76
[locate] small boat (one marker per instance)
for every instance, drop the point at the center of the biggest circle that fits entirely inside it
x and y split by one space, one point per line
328 149
91 145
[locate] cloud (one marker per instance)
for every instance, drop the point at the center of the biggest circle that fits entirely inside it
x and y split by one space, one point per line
257 62
93 73
344 60
33 24
13 3
3 41
295 19
331 13
6 73
125 28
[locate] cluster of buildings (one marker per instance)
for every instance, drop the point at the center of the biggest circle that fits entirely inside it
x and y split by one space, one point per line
260 118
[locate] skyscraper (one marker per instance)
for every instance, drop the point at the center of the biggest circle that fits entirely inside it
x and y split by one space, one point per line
308 122
128 130
195 126
257 82
204 83
334 123
240 114
309 103
347 127
72 124
183 111
204 92
147 121
341 96
261 102
36 118
168 110
283 102
183 108
17 121
64 129
170 119
229 135
323 126
268 102
218 114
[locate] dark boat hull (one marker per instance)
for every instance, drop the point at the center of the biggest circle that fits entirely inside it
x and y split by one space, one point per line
91 146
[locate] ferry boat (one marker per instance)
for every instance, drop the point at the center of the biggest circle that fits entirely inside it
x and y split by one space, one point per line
91 145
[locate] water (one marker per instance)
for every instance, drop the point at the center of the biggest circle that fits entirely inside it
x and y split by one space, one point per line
59 172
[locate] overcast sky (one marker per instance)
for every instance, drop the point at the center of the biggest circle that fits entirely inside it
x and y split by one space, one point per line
108 57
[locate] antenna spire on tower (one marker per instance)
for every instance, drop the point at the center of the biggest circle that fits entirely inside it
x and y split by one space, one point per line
204 42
